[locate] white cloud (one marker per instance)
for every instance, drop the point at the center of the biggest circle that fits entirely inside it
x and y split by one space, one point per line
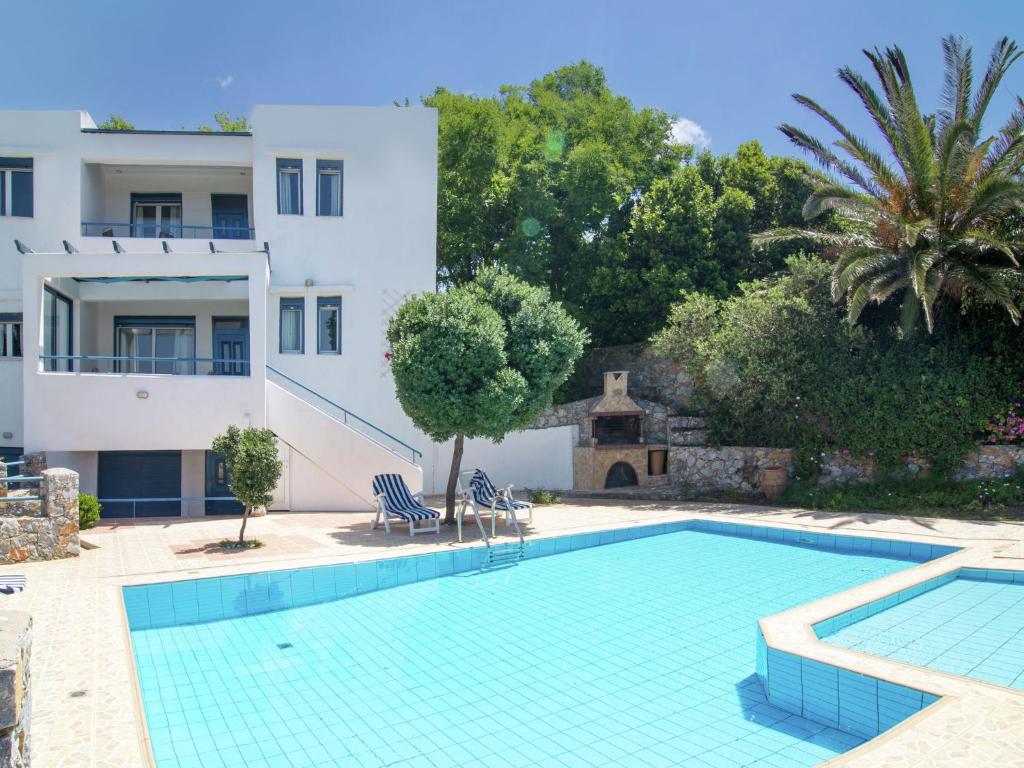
686 131
226 81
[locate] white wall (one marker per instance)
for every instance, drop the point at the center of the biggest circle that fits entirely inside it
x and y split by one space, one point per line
383 247
10 403
534 458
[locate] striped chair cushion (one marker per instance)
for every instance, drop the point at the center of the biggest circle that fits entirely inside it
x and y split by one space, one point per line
12 584
398 499
485 493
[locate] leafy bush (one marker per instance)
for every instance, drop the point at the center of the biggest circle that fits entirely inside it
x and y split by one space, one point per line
542 496
992 498
88 510
778 365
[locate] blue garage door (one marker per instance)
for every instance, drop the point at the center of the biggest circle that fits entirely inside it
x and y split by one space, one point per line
140 475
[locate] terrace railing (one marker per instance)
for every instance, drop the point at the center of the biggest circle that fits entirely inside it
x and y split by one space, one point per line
167 506
165 231
173 366
18 487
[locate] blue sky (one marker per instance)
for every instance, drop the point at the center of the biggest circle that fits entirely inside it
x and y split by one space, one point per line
728 67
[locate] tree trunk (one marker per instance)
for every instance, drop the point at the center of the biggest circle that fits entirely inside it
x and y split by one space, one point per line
453 479
241 533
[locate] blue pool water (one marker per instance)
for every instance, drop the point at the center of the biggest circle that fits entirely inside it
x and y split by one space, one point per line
637 653
972 625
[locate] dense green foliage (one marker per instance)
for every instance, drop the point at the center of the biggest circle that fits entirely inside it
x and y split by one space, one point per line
997 498
569 186
925 220
88 510
480 360
254 468
778 365
116 123
225 122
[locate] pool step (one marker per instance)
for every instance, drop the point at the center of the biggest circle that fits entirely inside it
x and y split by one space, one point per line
503 554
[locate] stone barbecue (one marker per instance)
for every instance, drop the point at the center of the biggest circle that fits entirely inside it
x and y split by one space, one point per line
613 452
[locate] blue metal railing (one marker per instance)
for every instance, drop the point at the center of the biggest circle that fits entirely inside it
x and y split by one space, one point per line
175 366
347 417
165 231
136 502
6 481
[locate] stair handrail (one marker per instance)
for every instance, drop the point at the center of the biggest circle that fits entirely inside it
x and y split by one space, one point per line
413 452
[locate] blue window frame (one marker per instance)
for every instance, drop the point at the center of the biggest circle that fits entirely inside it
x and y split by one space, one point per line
289 186
16 186
292 326
139 336
328 325
330 186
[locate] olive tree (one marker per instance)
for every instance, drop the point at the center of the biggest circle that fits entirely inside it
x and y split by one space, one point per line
254 468
480 360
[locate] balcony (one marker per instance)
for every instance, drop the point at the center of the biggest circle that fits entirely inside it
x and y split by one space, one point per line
166 202
166 350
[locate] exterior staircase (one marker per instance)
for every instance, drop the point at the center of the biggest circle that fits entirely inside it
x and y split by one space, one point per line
687 430
347 448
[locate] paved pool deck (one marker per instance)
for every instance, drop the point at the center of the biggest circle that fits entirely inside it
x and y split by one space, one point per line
85 703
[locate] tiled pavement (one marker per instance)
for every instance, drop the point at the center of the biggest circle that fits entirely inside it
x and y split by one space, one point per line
85 709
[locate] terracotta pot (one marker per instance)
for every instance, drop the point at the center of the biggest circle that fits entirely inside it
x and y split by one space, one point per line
656 459
773 481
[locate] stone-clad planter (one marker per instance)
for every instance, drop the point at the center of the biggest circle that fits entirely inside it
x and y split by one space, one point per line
15 688
42 530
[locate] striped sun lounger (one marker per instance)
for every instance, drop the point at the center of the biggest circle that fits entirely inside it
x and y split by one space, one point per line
394 500
486 495
11 584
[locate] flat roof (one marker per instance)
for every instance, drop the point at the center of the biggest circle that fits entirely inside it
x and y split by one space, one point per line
170 133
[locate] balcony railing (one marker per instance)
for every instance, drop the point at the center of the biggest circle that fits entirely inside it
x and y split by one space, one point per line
166 231
155 366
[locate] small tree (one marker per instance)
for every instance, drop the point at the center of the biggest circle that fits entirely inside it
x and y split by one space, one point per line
254 468
480 360
227 123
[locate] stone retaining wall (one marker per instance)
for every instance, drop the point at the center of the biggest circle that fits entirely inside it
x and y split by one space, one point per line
730 468
15 688
41 530
736 468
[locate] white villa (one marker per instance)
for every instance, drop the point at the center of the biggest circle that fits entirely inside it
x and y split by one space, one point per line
157 286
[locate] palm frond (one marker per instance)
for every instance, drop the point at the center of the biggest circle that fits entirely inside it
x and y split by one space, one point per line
956 89
1004 54
789 234
827 198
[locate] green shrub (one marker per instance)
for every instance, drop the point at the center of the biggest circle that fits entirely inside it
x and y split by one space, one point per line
778 365
990 498
542 496
88 510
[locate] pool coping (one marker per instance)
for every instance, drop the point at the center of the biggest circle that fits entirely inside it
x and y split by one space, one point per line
792 632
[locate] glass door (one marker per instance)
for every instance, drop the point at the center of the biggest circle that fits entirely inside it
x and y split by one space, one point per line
157 220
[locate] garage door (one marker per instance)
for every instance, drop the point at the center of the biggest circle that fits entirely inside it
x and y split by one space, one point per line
140 475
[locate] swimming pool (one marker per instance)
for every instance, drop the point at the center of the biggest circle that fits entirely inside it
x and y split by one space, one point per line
640 652
969 622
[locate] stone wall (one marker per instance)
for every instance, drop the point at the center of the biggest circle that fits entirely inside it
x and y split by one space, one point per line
651 376
730 468
15 688
41 530
987 461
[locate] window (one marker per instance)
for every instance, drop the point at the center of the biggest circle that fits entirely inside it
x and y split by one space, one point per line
292 321
15 186
328 325
289 186
156 214
328 187
56 330
10 334
143 338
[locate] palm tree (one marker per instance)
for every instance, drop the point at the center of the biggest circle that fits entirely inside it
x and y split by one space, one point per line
922 220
